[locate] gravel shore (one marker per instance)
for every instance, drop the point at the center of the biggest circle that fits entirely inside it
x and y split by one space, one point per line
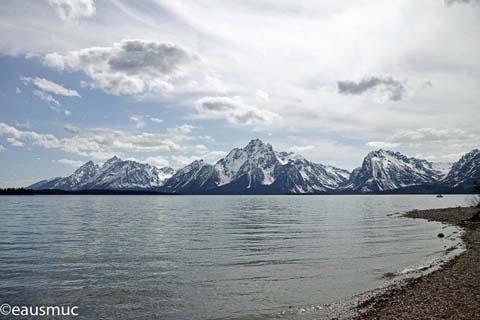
453 292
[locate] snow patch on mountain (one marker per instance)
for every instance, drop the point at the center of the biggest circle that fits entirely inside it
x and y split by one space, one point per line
465 172
113 174
387 170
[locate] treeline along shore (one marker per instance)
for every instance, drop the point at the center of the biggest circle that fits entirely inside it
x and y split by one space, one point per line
23 191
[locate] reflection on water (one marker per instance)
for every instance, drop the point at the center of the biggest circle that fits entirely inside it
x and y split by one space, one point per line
210 257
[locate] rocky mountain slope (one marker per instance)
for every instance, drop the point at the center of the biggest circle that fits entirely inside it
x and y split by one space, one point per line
258 169
113 174
465 172
387 170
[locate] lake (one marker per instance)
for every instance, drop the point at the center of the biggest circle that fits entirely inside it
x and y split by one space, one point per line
209 257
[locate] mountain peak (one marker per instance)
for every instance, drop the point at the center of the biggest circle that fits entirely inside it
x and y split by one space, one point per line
88 168
113 160
386 170
466 171
256 142
381 152
88 164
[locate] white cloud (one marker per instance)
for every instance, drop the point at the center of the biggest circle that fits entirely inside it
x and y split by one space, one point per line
25 124
18 90
157 161
69 162
51 87
234 111
102 142
14 142
73 10
431 143
156 120
48 99
128 67
138 121
301 149
181 161
425 157
263 96
71 129
294 51
2 148
424 136
181 132
382 144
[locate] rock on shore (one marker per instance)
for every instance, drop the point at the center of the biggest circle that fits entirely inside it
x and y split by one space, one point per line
452 292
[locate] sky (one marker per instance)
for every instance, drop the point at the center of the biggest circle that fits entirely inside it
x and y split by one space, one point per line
168 82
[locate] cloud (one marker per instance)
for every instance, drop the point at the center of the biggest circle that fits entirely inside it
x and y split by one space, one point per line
73 163
73 10
182 161
301 149
234 111
451 2
17 90
14 142
425 157
25 124
128 67
382 144
157 161
425 137
51 87
101 142
2 148
71 129
156 120
138 121
181 132
48 99
262 95
393 89
427 84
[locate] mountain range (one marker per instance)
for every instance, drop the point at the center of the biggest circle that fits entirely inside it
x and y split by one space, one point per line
259 169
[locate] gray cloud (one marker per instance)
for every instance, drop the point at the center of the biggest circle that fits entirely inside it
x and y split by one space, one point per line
71 129
393 89
73 9
128 67
425 136
451 2
234 111
152 58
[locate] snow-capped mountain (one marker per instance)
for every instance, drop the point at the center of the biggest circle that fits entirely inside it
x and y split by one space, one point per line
465 172
298 175
255 164
257 168
113 174
384 170
197 177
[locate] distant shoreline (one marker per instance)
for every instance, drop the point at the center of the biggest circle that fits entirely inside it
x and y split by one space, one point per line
403 191
449 293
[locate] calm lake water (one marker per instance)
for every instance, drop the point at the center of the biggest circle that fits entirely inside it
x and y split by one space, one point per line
208 257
